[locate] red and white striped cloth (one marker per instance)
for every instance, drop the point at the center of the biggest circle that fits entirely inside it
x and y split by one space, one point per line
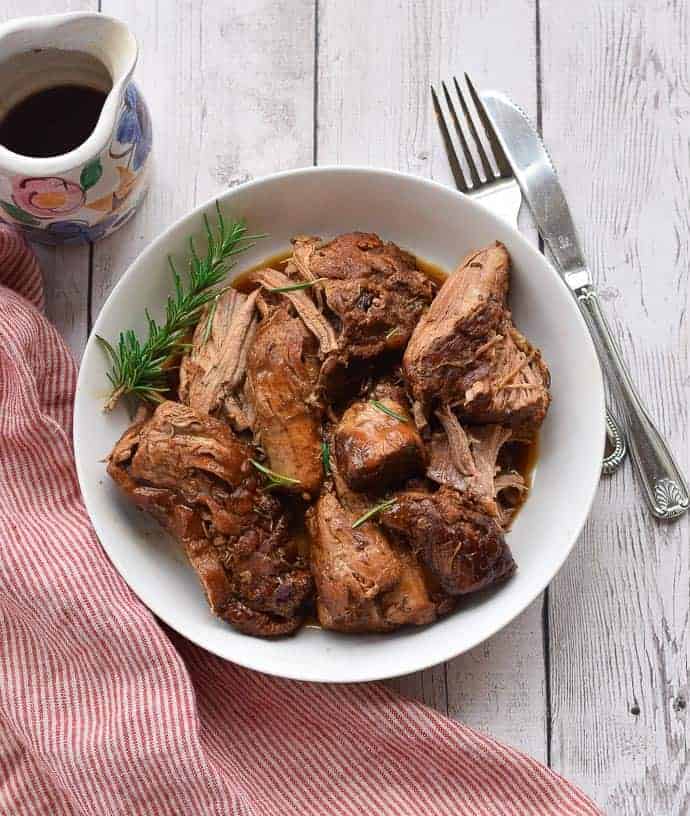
104 712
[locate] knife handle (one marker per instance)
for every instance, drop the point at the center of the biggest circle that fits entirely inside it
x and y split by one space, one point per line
664 485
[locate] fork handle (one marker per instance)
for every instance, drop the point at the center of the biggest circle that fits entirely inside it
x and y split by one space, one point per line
664 485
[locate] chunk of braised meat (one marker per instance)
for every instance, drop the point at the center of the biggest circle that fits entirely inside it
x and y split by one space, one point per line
374 290
467 353
282 374
376 449
194 476
212 372
516 389
443 357
466 458
303 304
460 544
364 583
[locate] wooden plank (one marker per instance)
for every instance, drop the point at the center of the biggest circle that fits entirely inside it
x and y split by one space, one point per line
66 283
230 90
615 102
65 269
374 72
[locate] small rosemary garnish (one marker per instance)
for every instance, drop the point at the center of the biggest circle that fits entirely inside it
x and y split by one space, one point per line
293 287
379 508
326 458
386 410
209 320
393 331
274 479
139 368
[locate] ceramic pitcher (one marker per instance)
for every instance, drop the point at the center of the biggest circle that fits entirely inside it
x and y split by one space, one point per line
89 192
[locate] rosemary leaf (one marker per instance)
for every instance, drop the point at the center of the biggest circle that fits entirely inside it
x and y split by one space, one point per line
293 287
326 458
386 410
274 479
139 367
393 331
379 508
209 321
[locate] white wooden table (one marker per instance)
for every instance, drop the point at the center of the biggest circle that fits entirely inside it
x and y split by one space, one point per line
593 677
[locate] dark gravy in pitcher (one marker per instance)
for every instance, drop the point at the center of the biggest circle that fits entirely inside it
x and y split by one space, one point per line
53 121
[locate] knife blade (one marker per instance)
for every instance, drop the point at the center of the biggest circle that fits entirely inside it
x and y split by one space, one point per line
541 189
665 486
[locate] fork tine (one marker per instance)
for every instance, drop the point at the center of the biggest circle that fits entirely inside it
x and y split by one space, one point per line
488 170
504 167
455 167
474 175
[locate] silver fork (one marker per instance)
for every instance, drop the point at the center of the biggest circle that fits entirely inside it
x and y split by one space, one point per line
496 187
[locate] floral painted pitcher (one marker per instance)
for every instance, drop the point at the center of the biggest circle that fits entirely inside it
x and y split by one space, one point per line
87 193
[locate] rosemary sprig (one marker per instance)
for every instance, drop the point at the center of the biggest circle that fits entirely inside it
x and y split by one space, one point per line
386 410
294 287
379 508
274 479
326 458
393 331
139 367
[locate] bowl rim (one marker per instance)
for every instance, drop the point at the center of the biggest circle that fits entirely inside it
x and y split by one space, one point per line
417 661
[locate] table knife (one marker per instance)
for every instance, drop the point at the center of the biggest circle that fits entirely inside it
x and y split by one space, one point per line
664 485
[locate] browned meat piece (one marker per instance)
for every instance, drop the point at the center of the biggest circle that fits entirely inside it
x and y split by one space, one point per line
212 373
461 545
363 582
447 347
194 475
207 559
516 390
304 306
375 449
411 601
282 373
466 458
373 289
466 352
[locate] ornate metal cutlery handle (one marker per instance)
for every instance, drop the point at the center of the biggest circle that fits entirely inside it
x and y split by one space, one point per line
619 447
663 482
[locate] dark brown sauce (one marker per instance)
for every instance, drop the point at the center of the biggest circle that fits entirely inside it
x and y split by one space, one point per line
521 457
53 121
243 283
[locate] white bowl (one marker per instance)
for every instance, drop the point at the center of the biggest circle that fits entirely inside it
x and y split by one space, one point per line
441 226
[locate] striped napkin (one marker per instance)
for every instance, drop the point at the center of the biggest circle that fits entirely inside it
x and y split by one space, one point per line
102 711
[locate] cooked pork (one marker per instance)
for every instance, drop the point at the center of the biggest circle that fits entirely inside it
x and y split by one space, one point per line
465 351
516 389
466 458
373 290
459 543
194 475
282 373
375 449
212 373
363 582
303 305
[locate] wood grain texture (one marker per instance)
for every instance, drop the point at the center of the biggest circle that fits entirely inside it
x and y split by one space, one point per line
616 105
65 269
230 89
374 107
